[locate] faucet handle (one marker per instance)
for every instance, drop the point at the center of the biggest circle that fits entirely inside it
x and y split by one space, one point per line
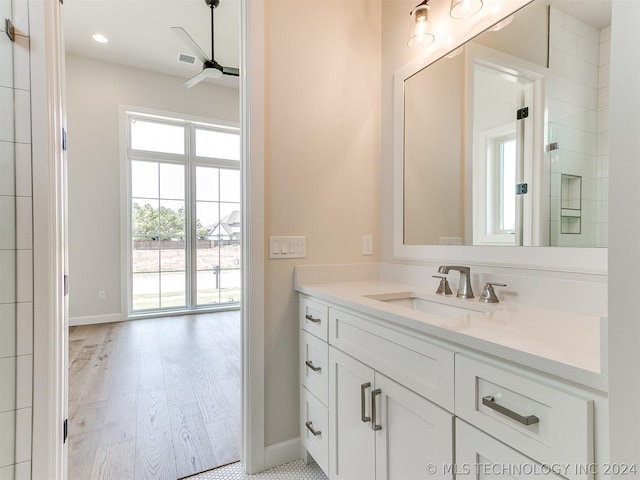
443 288
489 294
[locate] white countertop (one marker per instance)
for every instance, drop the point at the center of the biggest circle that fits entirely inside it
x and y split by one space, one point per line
561 343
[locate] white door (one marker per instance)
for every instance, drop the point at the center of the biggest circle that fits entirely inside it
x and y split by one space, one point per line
351 438
415 439
480 456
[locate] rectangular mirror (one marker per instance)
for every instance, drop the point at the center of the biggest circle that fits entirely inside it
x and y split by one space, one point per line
505 139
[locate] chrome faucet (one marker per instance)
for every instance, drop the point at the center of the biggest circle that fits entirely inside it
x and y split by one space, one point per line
464 286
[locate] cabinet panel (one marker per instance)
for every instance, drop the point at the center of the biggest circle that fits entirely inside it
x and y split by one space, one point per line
314 363
315 429
313 317
414 433
534 417
351 440
480 456
422 366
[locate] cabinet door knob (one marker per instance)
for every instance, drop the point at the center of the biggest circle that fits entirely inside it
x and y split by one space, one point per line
374 394
491 403
310 364
309 317
363 400
309 426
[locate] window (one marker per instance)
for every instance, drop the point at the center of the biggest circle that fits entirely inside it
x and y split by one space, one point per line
502 175
183 214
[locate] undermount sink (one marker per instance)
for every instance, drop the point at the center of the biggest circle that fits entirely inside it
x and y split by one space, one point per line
428 304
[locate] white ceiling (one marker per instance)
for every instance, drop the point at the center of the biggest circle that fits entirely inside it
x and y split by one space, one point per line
139 34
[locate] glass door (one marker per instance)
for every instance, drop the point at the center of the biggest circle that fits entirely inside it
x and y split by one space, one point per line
184 215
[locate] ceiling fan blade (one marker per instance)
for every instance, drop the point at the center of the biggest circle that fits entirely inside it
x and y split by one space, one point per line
206 73
231 71
188 41
195 80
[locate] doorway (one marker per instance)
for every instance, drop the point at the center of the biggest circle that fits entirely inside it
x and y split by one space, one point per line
128 365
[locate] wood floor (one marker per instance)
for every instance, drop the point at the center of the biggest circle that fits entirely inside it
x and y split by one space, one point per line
154 399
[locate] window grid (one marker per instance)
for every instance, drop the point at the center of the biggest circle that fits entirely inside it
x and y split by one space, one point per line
193 238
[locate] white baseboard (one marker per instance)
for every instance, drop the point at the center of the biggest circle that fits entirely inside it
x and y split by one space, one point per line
95 319
281 453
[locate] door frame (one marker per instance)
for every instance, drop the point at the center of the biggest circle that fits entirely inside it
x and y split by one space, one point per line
49 454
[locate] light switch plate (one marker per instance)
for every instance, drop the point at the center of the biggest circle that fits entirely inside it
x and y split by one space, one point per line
287 247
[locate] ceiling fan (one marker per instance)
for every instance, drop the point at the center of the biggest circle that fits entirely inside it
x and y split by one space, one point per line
210 68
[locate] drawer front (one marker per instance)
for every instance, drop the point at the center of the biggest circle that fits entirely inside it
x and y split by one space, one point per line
479 456
421 366
314 430
313 317
531 415
314 371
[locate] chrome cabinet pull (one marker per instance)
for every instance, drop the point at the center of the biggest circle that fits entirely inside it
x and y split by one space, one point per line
309 317
309 425
363 400
374 394
528 420
310 364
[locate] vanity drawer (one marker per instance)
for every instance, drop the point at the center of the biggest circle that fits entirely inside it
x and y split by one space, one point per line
528 413
479 456
314 429
421 366
314 358
313 317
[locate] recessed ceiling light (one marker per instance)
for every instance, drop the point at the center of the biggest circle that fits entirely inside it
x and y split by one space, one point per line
98 37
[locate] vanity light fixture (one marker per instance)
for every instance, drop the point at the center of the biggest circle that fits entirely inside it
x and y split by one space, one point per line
465 8
98 37
418 34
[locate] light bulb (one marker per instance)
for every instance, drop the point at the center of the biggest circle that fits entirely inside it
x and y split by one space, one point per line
465 8
418 34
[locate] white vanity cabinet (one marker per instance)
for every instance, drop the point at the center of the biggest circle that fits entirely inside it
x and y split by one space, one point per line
379 429
379 390
382 401
314 380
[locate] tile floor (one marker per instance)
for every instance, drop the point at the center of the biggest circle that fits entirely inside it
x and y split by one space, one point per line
291 471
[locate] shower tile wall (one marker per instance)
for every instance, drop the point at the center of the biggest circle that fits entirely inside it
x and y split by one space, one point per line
16 256
602 170
577 91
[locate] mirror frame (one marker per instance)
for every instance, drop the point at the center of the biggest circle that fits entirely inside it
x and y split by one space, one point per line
559 259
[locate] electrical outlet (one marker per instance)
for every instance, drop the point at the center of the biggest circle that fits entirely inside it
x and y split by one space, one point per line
367 245
102 295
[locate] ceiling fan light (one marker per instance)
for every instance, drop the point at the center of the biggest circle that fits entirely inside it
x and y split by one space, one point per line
419 36
465 8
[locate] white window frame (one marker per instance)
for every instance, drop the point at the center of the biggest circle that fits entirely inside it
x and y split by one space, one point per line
496 184
190 160
485 176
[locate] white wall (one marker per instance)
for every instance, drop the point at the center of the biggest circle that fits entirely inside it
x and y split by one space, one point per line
95 90
322 165
624 234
